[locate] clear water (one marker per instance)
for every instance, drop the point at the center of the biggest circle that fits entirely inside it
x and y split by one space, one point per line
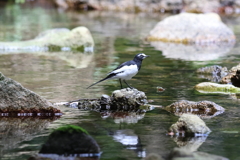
118 37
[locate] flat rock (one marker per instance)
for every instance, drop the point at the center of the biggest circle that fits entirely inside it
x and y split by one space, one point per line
189 124
192 28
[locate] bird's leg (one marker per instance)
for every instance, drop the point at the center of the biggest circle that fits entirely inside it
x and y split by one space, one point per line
127 84
120 83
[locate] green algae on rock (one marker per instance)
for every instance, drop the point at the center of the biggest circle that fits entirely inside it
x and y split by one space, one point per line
71 129
208 87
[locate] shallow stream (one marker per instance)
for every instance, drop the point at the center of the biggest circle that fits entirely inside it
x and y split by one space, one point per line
64 76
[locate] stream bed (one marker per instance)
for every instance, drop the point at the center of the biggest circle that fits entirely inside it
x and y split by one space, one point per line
118 37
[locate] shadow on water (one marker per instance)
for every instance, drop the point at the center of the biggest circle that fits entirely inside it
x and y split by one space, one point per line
118 37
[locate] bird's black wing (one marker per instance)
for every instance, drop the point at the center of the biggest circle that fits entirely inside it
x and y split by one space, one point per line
128 63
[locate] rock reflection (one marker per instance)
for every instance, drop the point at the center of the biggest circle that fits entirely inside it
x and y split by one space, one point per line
74 59
189 143
196 52
15 130
129 139
124 116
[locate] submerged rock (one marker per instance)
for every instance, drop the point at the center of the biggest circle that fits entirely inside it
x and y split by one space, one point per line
201 28
70 140
58 38
189 124
204 109
208 87
14 98
217 72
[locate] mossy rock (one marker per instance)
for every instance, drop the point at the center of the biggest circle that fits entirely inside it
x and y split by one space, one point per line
70 140
208 87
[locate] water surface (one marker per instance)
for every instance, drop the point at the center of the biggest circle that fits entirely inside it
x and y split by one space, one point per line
118 37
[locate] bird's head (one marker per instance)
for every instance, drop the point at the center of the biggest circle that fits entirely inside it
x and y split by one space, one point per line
140 56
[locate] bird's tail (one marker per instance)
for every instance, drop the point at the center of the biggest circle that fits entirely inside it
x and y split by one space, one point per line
109 76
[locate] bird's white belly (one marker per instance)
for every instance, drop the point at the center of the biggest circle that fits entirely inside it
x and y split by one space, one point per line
126 72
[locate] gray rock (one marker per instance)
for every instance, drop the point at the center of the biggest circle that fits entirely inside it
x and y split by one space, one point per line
14 98
189 124
128 97
192 28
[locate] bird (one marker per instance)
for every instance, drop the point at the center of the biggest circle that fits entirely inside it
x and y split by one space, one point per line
125 71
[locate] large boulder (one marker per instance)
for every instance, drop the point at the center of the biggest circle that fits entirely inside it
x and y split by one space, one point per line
14 98
192 28
58 38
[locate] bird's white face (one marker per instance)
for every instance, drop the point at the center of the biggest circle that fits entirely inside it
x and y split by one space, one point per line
142 55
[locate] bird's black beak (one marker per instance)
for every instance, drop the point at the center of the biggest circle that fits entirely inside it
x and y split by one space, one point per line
146 56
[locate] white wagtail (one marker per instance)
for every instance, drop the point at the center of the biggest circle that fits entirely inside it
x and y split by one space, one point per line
126 70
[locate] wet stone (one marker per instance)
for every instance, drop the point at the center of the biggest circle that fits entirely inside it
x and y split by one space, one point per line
124 99
189 125
128 97
204 109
